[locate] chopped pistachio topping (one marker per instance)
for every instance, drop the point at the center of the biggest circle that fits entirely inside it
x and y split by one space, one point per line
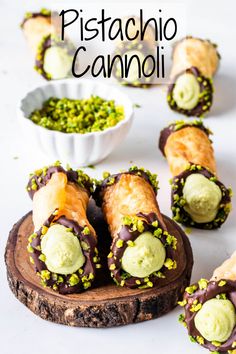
196 307
182 303
86 230
137 223
78 116
222 283
170 264
119 243
151 176
73 280
191 289
200 340
202 284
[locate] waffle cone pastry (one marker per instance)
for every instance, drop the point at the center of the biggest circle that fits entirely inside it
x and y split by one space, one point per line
210 309
199 199
195 61
142 250
53 57
63 245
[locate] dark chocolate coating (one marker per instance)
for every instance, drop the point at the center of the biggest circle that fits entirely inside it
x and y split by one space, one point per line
34 15
89 266
177 192
48 42
42 179
206 91
213 289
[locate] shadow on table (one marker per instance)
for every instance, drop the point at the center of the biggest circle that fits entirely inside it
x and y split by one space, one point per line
224 95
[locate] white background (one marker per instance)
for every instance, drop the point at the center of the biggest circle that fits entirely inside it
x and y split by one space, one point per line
21 331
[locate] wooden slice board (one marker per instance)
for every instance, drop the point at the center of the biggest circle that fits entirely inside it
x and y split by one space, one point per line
105 305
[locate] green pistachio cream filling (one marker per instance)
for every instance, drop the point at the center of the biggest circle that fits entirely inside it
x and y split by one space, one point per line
216 320
186 91
62 250
57 62
145 256
202 198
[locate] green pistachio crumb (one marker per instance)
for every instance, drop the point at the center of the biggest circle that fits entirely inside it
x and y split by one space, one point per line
191 289
30 249
119 243
202 283
78 115
73 280
170 264
42 257
155 223
200 340
86 230
216 344
112 266
44 230
84 245
86 285
182 303
222 283
192 339
45 274
196 308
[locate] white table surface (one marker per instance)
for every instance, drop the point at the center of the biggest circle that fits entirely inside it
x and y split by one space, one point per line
21 331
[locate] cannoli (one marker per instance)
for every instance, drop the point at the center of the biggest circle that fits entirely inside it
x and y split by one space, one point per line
53 57
210 309
195 62
142 250
63 244
140 48
199 199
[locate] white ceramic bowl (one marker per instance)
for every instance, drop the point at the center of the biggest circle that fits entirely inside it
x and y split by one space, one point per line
74 148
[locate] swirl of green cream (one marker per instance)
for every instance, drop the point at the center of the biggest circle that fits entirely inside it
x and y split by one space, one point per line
57 63
145 256
186 91
62 250
202 198
216 320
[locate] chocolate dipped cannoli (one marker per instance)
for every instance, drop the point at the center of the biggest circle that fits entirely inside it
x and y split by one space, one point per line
53 57
142 250
198 198
63 245
210 309
139 49
195 62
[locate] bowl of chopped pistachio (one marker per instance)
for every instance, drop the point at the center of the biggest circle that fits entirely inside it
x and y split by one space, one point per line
79 121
